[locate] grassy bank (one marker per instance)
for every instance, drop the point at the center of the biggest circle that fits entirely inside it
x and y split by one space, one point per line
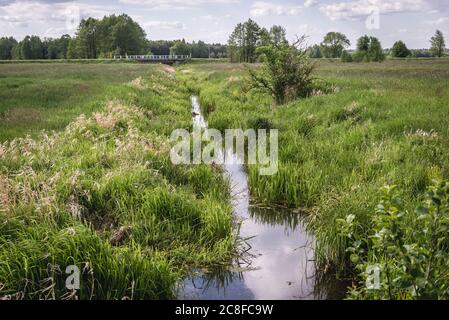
382 124
101 193
34 97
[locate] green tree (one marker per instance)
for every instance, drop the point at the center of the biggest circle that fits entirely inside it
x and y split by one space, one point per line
315 51
236 43
160 47
369 49
36 48
64 46
421 53
127 35
218 50
74 49
346 56
180 47
265 37
363 44
400 50
6 47
25 48
362 47
200 50
16 52
110 35
251 40
56 48
333 44
278 35
375 51
244 40
88 39
286 73
438 44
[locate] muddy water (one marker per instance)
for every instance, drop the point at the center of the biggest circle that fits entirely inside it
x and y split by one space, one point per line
278 259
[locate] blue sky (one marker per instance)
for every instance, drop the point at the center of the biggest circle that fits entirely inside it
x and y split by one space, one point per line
413 21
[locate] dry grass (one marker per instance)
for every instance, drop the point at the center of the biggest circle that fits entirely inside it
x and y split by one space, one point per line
5 194
21 116
138 83
423 134
103 193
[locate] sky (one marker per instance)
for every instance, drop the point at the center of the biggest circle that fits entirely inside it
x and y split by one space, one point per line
413 21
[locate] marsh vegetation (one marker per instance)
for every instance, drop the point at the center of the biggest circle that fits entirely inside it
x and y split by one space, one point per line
97 188
103 195
380 124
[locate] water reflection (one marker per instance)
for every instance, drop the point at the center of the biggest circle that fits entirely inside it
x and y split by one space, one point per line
278 263
276 216
217 285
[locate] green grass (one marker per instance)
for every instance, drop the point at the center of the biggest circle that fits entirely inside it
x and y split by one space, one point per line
383 124
101 193
78 61
34 97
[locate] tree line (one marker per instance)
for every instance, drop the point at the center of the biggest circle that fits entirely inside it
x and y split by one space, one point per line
103 38
121 35
248 36
32 47
198 49
370 49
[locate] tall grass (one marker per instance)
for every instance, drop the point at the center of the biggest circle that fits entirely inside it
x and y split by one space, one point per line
36 97
103 195
380 124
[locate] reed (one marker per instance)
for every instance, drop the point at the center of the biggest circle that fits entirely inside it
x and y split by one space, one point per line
376 124
103 195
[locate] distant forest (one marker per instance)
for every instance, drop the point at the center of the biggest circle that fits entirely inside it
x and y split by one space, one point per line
121 35
104 38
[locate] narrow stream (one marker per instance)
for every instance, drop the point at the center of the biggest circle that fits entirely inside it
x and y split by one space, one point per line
279 261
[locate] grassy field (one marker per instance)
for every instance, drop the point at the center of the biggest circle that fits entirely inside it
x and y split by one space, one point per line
101 193
34 97
383 124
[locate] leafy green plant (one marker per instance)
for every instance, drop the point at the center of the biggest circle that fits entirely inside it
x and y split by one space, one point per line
346 56
286 73
410 249
103 195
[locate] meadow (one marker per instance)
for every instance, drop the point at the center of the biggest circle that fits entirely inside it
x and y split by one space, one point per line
100 192
34 97
380 124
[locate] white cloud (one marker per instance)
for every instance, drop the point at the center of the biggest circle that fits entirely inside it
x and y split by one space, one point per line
167 25
47 18
362 8
174 4
310 3
33 12
260 9
7 2
438 21
53 32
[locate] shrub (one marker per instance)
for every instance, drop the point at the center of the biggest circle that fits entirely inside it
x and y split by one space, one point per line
369 49
286 73
346 57
410 249
400 50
